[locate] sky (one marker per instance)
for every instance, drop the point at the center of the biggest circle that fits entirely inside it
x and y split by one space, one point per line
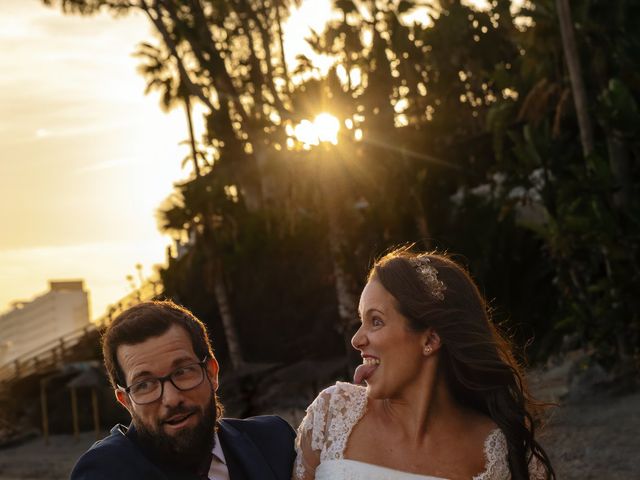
85 156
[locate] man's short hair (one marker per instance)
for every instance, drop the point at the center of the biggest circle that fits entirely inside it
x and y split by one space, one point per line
146 320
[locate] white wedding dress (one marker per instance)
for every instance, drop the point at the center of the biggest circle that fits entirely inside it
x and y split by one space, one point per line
323 433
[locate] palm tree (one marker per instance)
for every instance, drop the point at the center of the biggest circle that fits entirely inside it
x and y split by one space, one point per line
575 75
157 70
192 210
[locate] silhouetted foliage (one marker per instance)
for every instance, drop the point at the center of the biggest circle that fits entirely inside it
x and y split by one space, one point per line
458 131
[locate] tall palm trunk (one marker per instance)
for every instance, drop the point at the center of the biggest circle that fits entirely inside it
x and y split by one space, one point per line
215 284
283 58
346 300
616 148
215 270
226 316
332 201
578 90
347 309
192 139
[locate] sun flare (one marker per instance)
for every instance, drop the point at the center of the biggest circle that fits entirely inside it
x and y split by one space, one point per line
323 129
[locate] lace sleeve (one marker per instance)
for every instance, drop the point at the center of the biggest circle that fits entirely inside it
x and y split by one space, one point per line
324 431
495 454
497 466
311 438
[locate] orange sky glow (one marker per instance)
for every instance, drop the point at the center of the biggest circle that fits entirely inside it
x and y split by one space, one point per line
85 157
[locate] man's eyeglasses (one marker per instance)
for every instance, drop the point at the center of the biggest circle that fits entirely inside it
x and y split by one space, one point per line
150 389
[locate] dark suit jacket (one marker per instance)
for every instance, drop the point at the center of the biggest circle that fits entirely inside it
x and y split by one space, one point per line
258 448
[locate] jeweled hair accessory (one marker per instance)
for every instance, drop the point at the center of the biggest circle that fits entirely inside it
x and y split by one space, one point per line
429 276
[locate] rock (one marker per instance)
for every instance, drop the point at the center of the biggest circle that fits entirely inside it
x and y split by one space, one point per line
587 380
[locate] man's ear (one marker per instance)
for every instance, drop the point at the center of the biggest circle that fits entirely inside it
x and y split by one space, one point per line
123 399
212 372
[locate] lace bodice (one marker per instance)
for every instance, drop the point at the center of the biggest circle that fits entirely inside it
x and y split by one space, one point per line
324 431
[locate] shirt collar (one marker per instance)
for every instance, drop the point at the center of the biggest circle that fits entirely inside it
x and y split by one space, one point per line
217 452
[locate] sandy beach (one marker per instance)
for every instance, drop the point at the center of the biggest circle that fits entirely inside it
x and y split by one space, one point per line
34 460
590 439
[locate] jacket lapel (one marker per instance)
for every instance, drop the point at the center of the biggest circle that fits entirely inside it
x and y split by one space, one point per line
244 460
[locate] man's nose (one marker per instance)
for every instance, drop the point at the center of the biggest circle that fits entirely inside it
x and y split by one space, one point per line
170 394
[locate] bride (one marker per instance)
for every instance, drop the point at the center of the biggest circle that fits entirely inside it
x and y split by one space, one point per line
444 398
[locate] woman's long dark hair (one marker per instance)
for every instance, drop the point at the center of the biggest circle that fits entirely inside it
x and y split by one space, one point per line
475 359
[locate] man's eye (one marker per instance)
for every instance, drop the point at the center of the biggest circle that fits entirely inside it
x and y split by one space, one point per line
143 386
185 371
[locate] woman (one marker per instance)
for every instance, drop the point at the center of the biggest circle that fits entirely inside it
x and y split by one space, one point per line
444 397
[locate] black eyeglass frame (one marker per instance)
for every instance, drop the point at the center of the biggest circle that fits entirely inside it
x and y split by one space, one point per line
167 378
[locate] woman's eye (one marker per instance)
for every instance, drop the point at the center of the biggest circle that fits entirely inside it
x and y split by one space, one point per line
376 322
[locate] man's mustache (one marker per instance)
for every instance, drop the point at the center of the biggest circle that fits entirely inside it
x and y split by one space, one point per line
179 410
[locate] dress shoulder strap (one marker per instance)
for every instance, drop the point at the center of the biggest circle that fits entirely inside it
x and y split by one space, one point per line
346 407
495 454
324 431
497 465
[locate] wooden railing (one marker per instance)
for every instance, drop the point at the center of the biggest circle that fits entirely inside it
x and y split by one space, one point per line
54 353
45 356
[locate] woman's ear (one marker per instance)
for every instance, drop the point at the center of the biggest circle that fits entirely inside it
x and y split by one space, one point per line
431 342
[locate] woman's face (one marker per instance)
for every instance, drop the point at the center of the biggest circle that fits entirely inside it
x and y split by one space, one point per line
392 353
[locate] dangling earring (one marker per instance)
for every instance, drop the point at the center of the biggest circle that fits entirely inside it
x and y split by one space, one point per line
427 350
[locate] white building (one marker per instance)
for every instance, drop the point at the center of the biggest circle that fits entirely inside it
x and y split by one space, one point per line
29 325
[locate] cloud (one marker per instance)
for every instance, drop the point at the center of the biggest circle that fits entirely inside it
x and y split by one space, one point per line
43 133
108 164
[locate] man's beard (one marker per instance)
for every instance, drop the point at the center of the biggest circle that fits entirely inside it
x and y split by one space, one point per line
188 447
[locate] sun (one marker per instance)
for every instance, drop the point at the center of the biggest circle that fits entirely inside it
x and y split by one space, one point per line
323 129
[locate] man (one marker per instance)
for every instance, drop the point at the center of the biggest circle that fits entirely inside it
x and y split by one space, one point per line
162 368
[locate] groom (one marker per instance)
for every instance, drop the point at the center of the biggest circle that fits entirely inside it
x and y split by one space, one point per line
163 371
